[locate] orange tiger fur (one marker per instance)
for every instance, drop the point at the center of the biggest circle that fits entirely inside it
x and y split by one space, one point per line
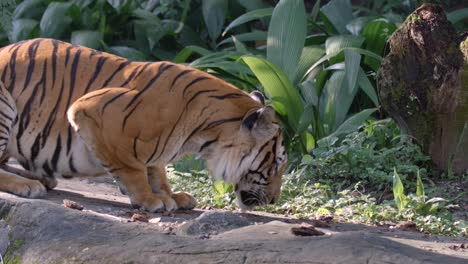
69 111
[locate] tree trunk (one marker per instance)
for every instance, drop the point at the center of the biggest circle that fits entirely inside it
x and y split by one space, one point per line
423 85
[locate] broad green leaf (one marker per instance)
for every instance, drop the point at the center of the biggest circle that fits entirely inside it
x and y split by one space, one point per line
214 12
367 87
278 87
23 29
339 13
309 56
357 24
55 20
253 4
185 53
353 122
458 15
330 56
29 9
338 99
82 3
240 47
315 10
309 92
335 44
88 38
310 141
352 62
249 16
306 118
249 36
376 34
127 52
419 186
399 192
286 35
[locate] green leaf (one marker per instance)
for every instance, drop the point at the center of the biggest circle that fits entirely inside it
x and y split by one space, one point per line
458 15
88 38
352 62
29 9
357 24
309 56
309 92
376 34
249 16
401 201
286 35
339 13
214 14
367 87
306 118
23 29
55 20
127 52
185 53
253 4
419 186
239 45
335 44
249 36
278 87
353 122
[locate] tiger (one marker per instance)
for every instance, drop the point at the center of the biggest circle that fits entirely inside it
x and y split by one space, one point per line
71 111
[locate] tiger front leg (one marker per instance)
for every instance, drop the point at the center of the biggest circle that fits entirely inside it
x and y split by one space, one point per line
159 184
140 193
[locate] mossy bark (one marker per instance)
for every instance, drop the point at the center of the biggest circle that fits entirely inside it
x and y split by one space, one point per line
423 85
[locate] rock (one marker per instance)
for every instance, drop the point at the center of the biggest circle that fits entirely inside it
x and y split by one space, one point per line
212 223
44 231
4 240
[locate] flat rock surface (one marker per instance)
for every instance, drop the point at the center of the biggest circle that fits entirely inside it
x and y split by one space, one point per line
107 231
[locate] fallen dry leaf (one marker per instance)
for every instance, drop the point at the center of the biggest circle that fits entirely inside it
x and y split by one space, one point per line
306 230
73 205
139 217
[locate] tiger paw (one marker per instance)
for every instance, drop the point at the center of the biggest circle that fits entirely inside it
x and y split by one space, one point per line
49 182
155 203
28 188
184 200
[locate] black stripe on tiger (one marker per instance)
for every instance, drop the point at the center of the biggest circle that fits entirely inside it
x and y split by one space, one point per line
13 69
207 143
55 156
52 117
113 99
55 43
97 70
73 72
199 79
182 73
32 50
227 96
119 68
161 70
131 76
154 151
96 95
124 123
6 116
222 121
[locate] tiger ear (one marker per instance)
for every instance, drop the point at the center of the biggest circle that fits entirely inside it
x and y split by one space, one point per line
261 123
257 96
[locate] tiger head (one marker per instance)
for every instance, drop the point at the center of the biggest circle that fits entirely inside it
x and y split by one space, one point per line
257 161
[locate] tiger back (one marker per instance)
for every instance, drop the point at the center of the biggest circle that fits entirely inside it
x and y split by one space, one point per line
68 111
